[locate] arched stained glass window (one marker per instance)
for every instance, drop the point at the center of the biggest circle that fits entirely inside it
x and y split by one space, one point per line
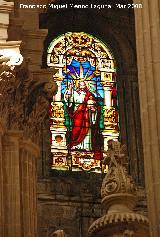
84 112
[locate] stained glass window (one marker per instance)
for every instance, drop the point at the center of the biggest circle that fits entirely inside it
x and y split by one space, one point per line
84 112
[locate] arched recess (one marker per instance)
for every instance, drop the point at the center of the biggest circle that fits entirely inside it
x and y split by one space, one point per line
116 28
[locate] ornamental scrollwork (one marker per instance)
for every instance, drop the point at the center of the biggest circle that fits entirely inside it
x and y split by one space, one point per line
117 179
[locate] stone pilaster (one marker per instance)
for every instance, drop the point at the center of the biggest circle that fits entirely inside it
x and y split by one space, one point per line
130 122
32 37
11 184
148 55
1 185
28 155
18 177
5 9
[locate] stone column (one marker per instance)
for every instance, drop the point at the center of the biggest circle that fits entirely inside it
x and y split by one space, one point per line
1 185
107 95
57 97
5 9
28 163
11 184
18 176
148 55
130 122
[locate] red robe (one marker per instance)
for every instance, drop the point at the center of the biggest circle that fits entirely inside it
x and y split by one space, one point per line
81 124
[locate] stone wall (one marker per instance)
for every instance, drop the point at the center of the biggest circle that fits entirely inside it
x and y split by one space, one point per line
72 202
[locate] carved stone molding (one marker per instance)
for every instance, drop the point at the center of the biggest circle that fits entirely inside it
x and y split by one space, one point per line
118 198
121 220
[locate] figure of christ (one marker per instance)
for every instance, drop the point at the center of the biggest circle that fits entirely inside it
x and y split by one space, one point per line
84 111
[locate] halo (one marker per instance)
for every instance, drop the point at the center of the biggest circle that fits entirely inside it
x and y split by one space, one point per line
81 77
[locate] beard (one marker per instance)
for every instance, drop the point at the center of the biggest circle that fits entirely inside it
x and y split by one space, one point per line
82 89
